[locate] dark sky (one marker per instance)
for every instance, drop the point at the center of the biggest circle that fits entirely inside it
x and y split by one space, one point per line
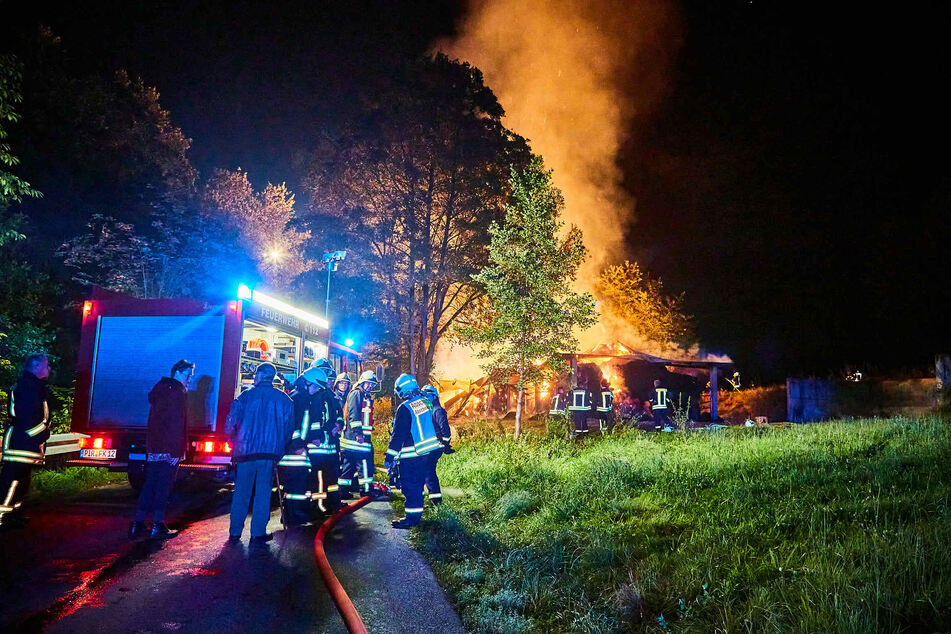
794 183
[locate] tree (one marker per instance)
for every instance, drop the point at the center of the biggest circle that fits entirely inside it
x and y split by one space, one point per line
12 188
264 222
531 308
640 300
409 190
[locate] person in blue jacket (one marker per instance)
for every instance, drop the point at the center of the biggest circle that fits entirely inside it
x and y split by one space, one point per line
414 438
441 424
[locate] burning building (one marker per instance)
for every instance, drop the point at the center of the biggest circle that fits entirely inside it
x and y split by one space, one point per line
627 371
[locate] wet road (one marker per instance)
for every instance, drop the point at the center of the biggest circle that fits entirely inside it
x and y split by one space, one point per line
72 570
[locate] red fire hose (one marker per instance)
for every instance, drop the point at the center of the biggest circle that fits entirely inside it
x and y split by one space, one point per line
348 613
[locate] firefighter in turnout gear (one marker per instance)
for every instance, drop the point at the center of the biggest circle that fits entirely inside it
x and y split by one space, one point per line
414 438
294 468
579 407
330 470
441 425
323 449
606 406
342 390
659 407
24 440
357 443
559 403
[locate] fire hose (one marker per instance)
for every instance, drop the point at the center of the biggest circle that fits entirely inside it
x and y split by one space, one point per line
348 612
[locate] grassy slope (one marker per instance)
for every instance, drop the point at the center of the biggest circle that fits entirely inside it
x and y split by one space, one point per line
819 528
53 484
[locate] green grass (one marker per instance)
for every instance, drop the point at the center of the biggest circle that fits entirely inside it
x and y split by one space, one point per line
52 484
834 527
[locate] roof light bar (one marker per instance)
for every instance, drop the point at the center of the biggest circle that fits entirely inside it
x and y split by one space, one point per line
256 296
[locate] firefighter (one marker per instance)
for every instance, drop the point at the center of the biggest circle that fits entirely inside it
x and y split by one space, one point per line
331 465
659 406
579 407
559 403
414 438
294 467
24 440
606 406
324 451
356 446
441 424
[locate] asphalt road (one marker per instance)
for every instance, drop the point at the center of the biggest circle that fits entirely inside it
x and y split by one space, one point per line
72 570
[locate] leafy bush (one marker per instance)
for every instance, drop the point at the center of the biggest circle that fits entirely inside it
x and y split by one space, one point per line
57 483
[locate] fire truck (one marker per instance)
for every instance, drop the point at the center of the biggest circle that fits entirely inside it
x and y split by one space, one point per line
128 343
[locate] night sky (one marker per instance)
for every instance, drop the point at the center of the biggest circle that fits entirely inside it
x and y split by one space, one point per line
793 182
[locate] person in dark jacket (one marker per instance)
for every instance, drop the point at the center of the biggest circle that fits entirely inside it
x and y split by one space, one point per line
444 432
357 468
579 407
260 424
165 447
24 440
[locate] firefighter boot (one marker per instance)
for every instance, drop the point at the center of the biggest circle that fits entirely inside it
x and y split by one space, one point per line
137 530
406 522
161 531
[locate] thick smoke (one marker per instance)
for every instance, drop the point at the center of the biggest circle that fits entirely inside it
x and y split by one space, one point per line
575 77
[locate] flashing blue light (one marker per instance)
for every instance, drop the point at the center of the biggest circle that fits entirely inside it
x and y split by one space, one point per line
244 292
348 342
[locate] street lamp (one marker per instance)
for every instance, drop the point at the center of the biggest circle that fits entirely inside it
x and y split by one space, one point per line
331 260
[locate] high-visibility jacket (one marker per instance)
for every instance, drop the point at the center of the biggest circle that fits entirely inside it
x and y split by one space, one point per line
580 400
559 402
607 401
414 432
660 400
29 421
359 421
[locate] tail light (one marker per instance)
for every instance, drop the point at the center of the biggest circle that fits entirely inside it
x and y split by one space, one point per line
95 443
210 446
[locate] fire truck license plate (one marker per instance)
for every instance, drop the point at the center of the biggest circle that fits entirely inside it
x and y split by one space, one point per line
98 454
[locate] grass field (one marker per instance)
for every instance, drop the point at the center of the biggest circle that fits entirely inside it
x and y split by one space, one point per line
831 527
53 484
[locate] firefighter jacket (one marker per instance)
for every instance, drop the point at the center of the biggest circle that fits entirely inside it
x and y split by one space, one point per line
29 421
660 399
606 404
559 402
359 422
168 422
260 423
441 424
580 400
414 433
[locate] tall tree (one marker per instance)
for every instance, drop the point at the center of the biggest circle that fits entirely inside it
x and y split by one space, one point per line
264 222
12 187
410 190
531 309
640 300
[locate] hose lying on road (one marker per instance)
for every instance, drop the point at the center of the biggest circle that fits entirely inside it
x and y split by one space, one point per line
351 617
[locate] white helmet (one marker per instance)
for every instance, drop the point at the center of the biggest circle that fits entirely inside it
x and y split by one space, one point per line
368 377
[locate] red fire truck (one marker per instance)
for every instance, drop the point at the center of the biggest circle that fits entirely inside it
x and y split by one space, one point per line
127 344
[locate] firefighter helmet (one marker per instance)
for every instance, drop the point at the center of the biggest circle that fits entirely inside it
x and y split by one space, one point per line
368 377
430 392
341 378
327 367
405 386
315 374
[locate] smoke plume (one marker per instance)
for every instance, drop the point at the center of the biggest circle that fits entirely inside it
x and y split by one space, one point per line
575 77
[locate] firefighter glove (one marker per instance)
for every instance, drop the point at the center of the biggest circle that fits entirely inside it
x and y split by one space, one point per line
388 463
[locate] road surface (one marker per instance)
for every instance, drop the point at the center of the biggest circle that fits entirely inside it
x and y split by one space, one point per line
72 570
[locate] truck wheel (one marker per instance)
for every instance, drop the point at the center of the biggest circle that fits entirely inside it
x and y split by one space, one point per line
136 475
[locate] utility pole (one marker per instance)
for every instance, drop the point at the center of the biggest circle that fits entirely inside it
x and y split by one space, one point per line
331 259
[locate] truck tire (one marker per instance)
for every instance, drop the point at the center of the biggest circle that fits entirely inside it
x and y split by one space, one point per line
136 475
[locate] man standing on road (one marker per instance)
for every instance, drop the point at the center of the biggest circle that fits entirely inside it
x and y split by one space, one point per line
357 443
23 443
259 425
165 445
